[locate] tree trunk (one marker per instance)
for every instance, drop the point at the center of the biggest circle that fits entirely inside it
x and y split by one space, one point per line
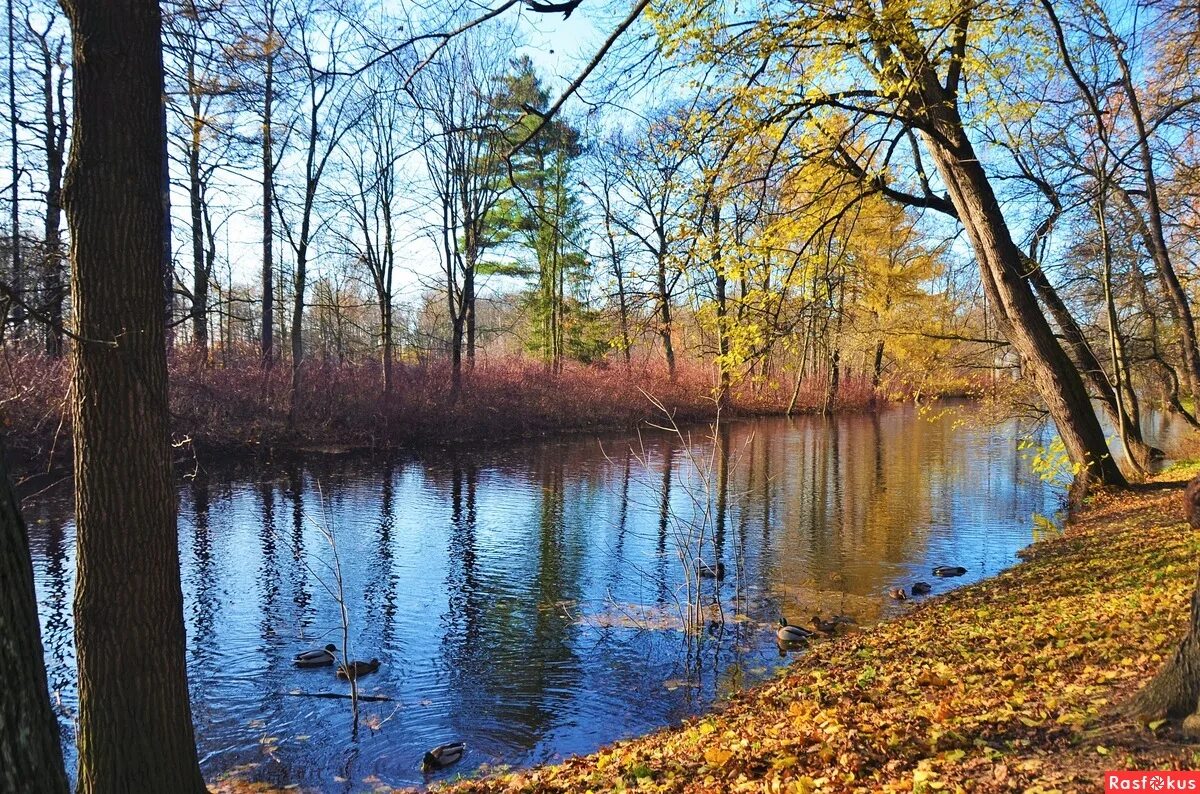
1155 238
17 274
135 728
456 357
835 375
1089 366
385 322
722 314
469 311
30 754
268 197
199 270
54 150
877 368
1175 690
166 251
664 315
1017 313
1152 236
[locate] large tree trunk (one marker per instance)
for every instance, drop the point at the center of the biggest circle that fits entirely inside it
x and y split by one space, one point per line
135 726
1017 312
30 754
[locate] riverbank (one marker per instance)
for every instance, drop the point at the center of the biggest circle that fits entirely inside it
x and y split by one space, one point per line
1007 685
234 406
1012 684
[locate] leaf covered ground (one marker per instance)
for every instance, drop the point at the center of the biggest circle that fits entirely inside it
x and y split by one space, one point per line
1012 684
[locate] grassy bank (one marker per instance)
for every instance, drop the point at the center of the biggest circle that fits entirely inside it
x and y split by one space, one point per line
235 404
1011 684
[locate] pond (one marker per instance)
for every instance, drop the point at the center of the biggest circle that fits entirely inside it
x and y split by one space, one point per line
529 600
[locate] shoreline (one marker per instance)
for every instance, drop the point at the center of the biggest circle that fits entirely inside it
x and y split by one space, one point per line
1012 683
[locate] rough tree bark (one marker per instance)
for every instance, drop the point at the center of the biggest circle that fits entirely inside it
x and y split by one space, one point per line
135 728
30 755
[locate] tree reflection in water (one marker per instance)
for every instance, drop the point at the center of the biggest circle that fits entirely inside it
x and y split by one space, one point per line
521 599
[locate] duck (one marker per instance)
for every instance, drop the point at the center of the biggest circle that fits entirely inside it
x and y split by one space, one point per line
711 571
898 594
319 657
443 756
949 570
825 626
357 669
789 633
921 588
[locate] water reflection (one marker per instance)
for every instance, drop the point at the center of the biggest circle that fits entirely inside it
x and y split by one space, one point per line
527 600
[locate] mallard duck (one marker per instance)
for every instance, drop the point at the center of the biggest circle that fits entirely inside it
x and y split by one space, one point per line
320 657
356 669
711 571
949 570
824 626
921 588
789 633
443 756
898 594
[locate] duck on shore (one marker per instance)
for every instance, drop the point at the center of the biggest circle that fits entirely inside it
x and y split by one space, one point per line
319 657
443 756
354 670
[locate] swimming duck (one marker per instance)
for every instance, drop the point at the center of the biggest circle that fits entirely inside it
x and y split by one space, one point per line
949 570
356 669
921 588
320 657
443 756
898 594
790 633
711 571
824 626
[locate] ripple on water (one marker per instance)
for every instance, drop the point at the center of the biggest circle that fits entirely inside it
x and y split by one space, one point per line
527 600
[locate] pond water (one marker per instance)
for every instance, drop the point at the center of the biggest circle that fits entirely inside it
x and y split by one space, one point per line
528 600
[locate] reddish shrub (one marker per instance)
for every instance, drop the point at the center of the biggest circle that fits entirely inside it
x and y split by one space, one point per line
238 404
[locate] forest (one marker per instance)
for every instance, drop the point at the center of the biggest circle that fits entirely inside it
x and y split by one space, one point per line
245 233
